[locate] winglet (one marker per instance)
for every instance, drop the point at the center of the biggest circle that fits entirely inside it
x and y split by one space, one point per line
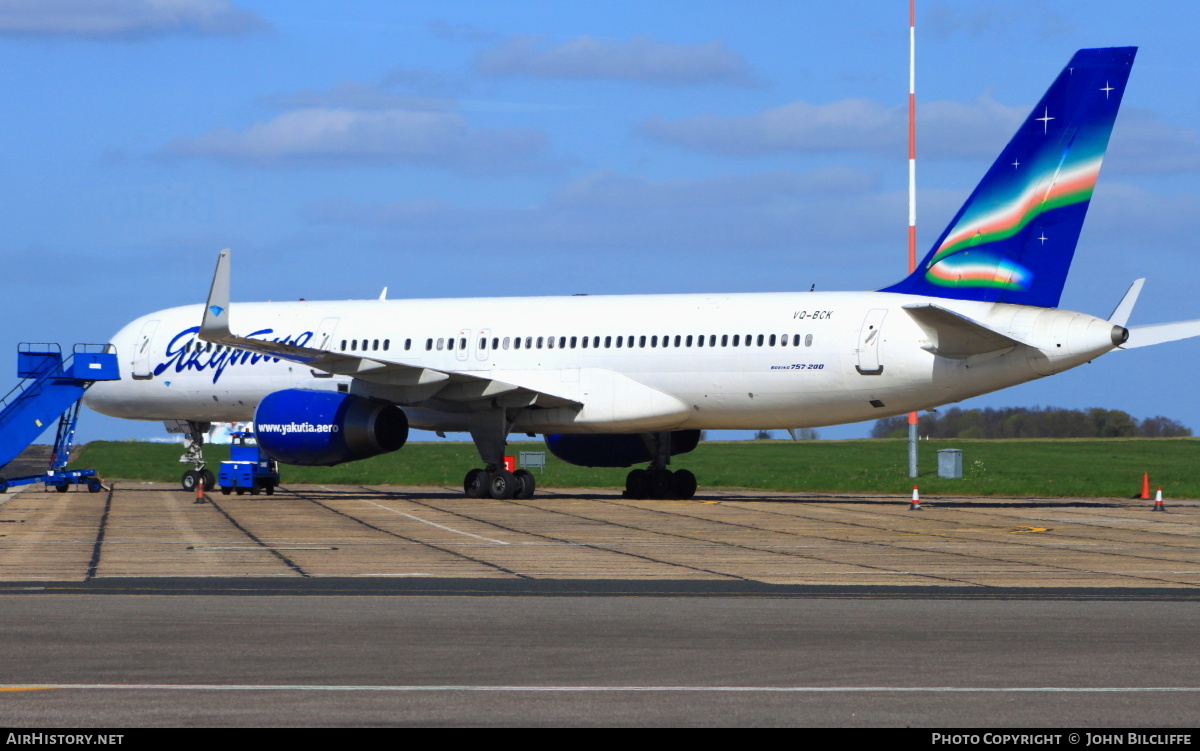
215 325
1120 316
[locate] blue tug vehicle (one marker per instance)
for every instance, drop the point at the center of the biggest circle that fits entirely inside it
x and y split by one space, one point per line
249 468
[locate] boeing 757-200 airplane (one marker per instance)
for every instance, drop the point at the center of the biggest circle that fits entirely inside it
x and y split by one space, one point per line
615 381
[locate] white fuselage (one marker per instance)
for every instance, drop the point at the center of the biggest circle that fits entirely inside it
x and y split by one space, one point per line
736 361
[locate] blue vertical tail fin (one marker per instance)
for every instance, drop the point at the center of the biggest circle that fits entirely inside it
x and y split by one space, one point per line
1013 240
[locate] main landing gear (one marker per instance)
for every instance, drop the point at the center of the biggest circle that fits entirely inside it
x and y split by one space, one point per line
657 482
499 483
660 484
489 431
193 453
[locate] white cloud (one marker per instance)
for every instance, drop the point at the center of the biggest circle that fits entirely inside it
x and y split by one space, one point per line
1143 145
330 136
125 18
638 59
944 129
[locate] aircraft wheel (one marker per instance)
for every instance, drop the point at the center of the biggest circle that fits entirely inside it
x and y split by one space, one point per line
210 480
475 484
94 485
190 478
525 484
62 487
226 491
637 484
685 484
662 484
502 485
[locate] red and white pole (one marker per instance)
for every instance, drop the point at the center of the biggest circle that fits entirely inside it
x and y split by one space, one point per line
912 196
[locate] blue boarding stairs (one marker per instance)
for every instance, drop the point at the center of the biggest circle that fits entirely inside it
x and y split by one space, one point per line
50 390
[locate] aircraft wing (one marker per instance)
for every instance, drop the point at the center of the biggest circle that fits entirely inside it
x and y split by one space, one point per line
457 386
956 336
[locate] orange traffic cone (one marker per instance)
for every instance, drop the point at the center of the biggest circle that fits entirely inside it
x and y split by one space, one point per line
916 501
199 491
1158 504
1146 486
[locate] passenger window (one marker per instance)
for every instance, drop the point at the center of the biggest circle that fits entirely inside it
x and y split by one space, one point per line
619 342
407 344
539 342
562 342
495 342
353 345
808 341
483 343
586 340
654 341
386 342
689 340
450 344
343 344
529 342
441 343
760 340
607 342
796 340
772 340
517 343
574 341
550 343
736 338
507 342
724 340
783 340
595 342
462 343
429 345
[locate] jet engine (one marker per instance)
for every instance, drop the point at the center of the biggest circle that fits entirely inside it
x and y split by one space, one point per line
615 450
323 428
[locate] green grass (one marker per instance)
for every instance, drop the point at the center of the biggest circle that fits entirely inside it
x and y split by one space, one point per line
1063 468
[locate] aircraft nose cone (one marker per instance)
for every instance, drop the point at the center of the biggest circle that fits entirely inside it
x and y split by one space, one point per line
1120 335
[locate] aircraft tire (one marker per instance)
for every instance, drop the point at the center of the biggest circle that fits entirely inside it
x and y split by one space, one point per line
637 484
662 484
475 484
525 484
502 485
210 480
685 484
190 478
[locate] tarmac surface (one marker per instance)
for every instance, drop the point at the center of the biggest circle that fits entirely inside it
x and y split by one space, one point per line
346 606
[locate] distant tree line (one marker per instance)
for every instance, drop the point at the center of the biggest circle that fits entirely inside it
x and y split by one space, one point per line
1031 422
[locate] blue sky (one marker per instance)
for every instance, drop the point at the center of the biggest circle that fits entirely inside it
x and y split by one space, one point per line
479 148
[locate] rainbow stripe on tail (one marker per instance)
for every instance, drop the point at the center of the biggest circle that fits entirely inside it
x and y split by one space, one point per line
1014 238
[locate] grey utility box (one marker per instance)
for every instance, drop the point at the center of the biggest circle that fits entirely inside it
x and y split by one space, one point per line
950 463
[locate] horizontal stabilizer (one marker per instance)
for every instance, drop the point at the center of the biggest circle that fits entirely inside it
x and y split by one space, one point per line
1144 336
956 336
1120 316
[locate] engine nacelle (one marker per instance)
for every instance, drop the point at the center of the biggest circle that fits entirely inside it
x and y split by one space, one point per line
323 428
614 450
